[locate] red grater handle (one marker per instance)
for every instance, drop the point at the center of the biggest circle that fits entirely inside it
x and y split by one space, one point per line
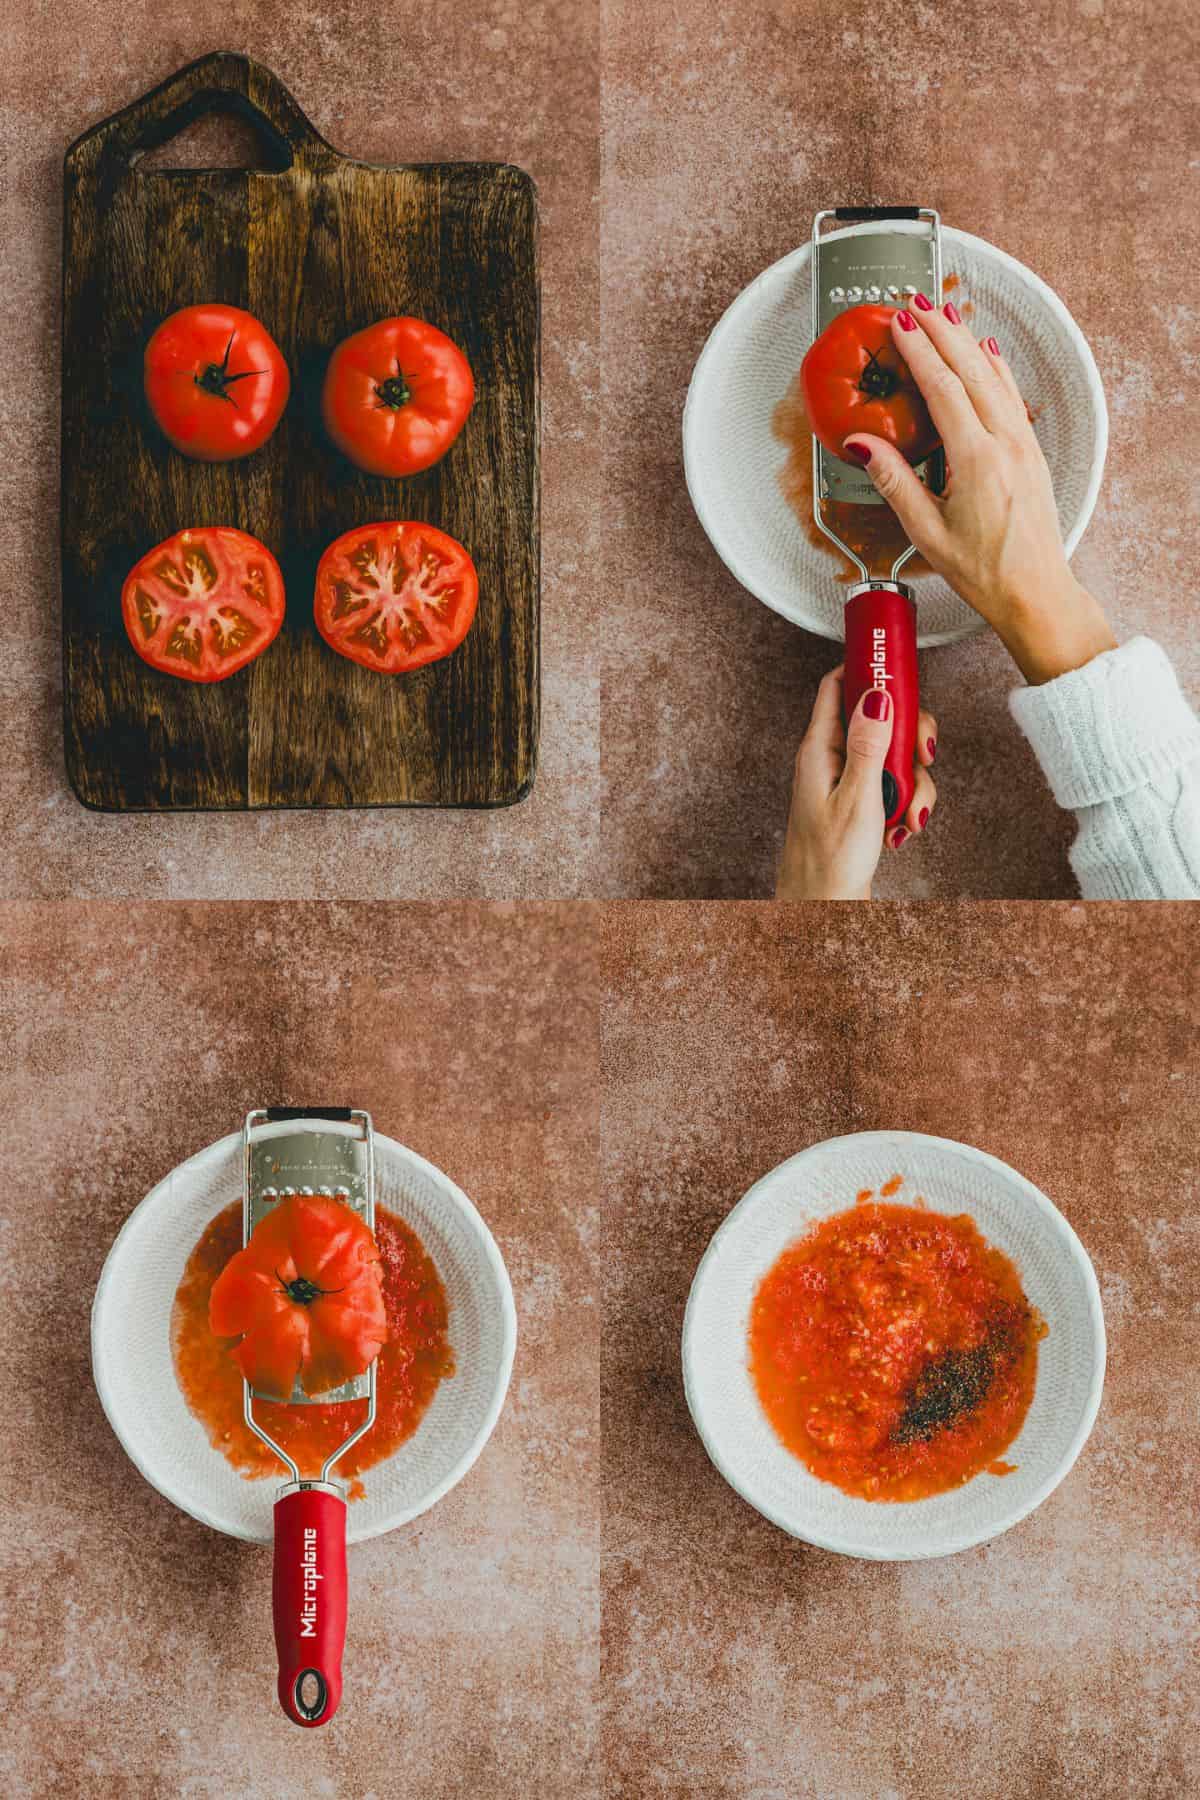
309 1596
881 651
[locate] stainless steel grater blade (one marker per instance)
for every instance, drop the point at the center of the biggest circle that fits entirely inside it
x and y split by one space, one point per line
877 256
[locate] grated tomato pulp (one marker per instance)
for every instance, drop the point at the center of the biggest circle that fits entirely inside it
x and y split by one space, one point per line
894 1351
416 1357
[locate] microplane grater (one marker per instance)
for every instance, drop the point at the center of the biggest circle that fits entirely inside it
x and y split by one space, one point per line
309 1587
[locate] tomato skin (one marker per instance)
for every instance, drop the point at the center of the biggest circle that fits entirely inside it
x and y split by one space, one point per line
855 379
395 596
203 603
396 396
304 1298
216 382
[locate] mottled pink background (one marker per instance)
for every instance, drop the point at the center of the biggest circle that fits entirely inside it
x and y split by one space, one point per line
1064 131
499 81
1058 1661
138 1658
738 1665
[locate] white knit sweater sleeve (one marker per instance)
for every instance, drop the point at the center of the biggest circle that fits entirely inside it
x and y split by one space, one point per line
1120 746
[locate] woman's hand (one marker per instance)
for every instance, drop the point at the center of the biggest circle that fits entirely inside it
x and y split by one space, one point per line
835 826
994 533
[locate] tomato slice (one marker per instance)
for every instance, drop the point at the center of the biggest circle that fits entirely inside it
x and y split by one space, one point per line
204 603
396 396
395 596
216 382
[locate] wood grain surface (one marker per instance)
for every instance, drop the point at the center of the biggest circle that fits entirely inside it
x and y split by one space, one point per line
316 246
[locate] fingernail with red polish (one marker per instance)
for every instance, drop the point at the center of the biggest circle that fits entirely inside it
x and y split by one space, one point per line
993 346
931 746
922 304
907 322
923 817
952 313
877 704
899 838
859 452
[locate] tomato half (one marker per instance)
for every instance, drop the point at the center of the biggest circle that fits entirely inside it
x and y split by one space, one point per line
395 596
855 379
396 396
304 1298
203 603
216 382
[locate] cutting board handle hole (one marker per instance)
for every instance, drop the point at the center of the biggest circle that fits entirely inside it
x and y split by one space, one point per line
216 131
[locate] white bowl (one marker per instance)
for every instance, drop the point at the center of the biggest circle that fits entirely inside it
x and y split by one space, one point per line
733 460
135 1375
1058 1280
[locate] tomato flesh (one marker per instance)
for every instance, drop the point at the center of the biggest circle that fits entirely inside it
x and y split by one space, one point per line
893 1350
216 382
855 379
203 603
396 396
395 596
303 1299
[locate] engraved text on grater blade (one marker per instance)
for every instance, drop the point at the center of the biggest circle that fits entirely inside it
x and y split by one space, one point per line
307 1162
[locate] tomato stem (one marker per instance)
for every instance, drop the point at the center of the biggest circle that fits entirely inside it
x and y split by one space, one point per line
877 380
302 1290
395 391
215 378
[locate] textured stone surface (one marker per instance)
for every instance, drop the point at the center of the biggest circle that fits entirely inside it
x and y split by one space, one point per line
138 1656
499 81
1061 133
1059 1660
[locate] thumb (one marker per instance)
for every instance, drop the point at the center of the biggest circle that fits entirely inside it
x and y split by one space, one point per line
867 738
896 481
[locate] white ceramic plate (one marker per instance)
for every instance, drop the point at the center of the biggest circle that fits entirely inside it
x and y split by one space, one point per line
733 460
135 1377
1011 1213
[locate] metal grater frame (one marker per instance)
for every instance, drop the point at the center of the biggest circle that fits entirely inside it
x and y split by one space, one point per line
309 1160
859 267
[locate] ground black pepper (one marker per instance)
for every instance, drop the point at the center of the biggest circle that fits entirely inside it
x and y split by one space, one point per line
954 1383
958 1381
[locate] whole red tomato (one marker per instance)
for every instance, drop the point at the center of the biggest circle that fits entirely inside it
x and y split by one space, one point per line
304 1298
396 396
395 596
216 382
855 379
203 603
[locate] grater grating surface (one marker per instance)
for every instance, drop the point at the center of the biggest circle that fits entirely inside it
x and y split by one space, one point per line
880 267
309 1160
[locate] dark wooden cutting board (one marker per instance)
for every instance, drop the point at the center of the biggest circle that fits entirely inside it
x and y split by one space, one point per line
316 246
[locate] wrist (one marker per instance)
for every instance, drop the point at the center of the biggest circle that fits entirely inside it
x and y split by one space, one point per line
796 881
1060 629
